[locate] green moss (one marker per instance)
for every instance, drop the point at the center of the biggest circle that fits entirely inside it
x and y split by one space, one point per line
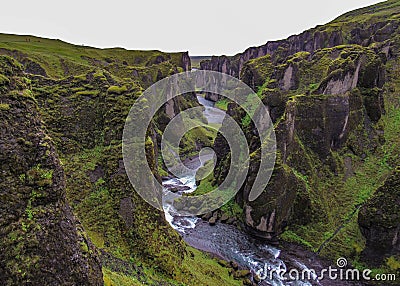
196 60
87 136
4 80
161 171
117 90
222 104
80 77
59 59
96 238
205 186
298 57
114 278
338 197
9 67
343 178
393 263
291 236
197 269
232 209
246 120
84 247
88 93
198 135
4 107
40 177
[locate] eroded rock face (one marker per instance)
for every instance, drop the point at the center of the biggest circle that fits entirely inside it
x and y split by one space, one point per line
41 240
379 221
255 71
250 65
342 31
320 103
308 41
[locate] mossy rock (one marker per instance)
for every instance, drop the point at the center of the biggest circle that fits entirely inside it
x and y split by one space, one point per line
379 220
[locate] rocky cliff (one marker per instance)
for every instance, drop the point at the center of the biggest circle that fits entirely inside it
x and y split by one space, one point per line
70 216
42 242
332 93
347 29
379 221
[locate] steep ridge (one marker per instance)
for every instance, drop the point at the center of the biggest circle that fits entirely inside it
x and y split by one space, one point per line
42 242
332 93
377 24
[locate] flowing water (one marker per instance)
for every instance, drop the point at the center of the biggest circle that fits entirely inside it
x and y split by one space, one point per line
226 241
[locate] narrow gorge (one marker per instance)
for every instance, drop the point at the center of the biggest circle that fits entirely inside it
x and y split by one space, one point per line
69 214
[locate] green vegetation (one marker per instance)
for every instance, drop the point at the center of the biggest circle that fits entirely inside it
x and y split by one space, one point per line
393 263
257 70
222 104
115 278
4 107
330 177
88 92
198 135
291 236
327 168
116 89
246 120
58 59
205 186
83 96
232 209
197 269
337 190
4 80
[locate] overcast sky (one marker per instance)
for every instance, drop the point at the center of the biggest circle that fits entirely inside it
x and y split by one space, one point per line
207 27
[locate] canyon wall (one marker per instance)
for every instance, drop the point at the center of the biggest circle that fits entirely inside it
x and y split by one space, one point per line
332 93
69 212
42 242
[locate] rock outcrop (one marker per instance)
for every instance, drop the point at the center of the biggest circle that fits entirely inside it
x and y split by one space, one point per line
42 242
379 220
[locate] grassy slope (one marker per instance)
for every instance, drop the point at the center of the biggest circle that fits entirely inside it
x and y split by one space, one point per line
81 59
384 11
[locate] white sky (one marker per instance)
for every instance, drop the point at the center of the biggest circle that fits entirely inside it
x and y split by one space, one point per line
207 27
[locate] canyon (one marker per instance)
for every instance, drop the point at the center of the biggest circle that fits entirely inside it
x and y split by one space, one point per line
69 215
